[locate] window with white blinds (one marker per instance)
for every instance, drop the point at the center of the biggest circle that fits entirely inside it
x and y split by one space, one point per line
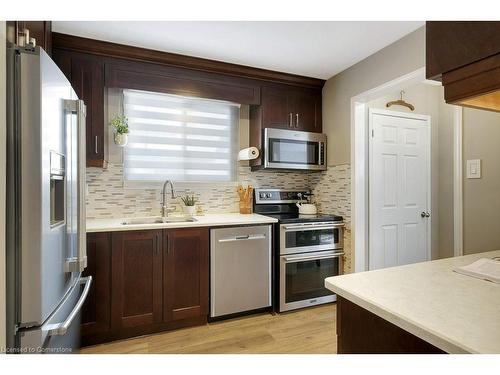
180 138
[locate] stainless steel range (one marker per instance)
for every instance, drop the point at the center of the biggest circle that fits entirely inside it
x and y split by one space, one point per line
309 248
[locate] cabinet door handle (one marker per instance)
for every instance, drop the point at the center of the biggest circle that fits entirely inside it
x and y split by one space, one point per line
290 120
297 120
157 247
167 243
96 147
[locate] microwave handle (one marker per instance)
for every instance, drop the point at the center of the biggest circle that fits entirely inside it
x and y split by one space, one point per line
321 153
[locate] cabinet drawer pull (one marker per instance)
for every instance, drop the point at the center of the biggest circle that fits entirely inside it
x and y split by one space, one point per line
297 120
290 121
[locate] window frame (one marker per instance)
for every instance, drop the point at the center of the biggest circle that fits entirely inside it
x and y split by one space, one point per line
183 184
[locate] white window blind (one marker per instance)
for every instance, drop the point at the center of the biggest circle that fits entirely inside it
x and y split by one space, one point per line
180 138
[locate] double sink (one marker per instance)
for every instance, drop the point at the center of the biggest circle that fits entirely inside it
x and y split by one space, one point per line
158 220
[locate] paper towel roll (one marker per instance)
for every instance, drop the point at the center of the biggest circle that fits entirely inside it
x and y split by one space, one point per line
249 153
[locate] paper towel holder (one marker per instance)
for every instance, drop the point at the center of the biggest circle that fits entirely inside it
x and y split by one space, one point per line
249 153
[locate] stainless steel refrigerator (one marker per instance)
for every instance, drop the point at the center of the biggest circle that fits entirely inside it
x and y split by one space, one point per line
46 240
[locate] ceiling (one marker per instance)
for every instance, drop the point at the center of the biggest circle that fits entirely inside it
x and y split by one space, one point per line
313 49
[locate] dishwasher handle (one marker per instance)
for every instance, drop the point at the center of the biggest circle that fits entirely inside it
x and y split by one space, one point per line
243 238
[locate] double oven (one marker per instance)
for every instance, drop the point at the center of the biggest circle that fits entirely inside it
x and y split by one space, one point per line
309 252
308 249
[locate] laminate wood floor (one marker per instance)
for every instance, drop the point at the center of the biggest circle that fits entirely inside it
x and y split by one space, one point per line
309 330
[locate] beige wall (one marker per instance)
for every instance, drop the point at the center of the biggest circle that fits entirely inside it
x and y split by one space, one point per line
2 183
481 140
402 57
446 178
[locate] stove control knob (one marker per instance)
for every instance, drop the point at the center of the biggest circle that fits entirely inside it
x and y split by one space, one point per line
268 195
262 195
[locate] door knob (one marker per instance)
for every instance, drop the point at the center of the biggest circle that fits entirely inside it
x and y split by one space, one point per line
423 214
427 214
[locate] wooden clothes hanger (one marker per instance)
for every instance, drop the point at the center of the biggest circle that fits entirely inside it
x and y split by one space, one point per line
401 102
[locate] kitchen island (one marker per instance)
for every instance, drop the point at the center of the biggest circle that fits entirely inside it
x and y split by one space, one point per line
418 308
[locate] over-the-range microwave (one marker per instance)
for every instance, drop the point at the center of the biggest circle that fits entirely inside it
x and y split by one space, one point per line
293 150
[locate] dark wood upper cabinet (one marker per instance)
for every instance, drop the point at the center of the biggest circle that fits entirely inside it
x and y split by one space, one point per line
275 108
96 314
136 284
465 55
186 270
180 81
40 30
86 74
454 44
87 77
305 107
277 100
291 108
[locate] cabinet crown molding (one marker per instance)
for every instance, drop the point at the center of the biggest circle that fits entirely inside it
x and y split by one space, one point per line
109 49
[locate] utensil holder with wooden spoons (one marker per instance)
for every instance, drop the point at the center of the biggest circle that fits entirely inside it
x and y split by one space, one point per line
246 196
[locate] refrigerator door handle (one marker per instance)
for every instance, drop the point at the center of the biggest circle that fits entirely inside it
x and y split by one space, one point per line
82 163
79 263
60 329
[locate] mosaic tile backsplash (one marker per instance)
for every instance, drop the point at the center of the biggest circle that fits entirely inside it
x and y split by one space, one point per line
108 198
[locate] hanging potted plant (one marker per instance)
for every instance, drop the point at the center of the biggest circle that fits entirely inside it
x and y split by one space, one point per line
189 202
120 125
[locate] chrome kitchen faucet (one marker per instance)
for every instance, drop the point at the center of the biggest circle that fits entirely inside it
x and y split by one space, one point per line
164 209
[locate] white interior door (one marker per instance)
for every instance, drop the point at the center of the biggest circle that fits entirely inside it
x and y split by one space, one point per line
399 188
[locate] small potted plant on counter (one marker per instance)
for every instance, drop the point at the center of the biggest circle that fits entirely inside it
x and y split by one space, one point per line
120 125
189 202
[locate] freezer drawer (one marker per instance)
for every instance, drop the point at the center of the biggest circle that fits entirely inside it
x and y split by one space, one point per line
240 269
61 333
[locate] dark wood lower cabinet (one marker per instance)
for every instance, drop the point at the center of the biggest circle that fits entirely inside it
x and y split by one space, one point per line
362 332
96 312
137 281
186 273
145 281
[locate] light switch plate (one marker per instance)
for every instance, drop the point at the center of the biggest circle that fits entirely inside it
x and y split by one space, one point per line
474 168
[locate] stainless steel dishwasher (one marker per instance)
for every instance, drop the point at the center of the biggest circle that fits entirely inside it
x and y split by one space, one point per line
240 269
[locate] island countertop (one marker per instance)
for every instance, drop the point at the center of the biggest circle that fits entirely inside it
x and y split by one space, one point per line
454 312
209 220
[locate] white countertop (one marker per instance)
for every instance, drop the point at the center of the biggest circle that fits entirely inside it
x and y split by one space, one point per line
456 313
209 220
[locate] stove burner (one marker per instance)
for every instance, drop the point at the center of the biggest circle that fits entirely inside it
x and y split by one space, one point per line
281 204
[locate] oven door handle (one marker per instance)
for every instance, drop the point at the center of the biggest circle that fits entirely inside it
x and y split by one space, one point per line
301 258
312 227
